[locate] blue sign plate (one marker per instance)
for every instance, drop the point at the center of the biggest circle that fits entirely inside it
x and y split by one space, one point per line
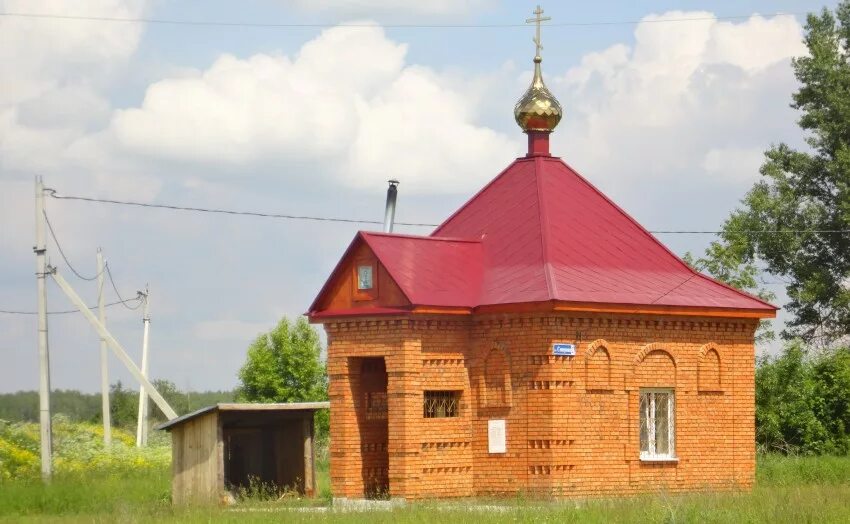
564 350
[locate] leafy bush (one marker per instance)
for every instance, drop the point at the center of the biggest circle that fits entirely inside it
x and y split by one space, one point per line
803 402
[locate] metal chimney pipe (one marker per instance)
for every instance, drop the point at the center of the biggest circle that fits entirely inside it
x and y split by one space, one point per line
389 215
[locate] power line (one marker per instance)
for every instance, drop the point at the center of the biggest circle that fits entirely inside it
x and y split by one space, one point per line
52 193
71 267
270 25
63 312
677 286
121 300
755 232
59 247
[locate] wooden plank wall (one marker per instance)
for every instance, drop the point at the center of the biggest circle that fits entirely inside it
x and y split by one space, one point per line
307 426
289 454
197 459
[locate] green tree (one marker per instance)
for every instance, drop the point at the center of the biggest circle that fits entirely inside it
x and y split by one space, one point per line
178 400
807 193
785 405
284 365
803 401
831 372
123 406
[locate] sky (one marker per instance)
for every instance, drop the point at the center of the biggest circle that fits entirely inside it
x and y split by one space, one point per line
669 118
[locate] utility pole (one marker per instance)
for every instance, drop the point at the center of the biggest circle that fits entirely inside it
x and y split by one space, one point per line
43 352
142 426
104 363
119 350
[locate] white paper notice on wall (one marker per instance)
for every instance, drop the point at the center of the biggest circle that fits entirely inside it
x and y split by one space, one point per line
496 435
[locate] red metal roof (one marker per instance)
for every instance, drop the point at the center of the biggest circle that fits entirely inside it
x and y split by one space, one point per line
433 271
540 232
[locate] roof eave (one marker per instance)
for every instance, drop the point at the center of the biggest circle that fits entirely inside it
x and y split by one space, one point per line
554 306
236 406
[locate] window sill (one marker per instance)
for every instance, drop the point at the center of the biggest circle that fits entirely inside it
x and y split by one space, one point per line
659 459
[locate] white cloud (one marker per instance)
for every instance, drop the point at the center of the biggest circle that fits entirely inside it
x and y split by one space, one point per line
266 106
39 55
346 102
55 74
756 44
687 96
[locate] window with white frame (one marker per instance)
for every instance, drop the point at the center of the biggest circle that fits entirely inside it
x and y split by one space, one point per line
657 424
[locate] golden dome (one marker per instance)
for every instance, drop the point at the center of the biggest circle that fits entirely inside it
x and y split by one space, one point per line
538 109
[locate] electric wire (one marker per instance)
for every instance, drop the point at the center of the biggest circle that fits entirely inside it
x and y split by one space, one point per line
62 312
52 193
273 25
677 286
61 252
121 300
77 273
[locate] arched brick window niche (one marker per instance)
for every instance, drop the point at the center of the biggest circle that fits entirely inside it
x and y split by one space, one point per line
597 367
708 371
655 366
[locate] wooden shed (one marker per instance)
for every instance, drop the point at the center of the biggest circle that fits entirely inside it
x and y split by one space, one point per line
225 447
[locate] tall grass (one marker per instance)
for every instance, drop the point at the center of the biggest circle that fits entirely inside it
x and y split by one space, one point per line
782 470
788 489
114 493
145 499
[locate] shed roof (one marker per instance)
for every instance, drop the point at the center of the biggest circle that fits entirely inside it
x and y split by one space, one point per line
244 407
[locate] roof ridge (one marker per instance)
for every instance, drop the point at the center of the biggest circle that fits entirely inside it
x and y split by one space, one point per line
420 237
390 271
474 197
733 288
658 242
625 214
542 217
326 286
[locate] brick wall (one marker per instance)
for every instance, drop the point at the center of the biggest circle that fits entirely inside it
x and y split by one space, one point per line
572 424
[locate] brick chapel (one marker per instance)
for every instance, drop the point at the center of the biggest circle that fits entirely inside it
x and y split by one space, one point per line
539 340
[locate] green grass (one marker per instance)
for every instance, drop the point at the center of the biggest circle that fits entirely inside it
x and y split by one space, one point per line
788 489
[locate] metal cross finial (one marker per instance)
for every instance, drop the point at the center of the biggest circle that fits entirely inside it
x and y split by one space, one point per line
537 20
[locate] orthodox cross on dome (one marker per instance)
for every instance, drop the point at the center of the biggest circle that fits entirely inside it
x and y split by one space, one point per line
537 112
538 18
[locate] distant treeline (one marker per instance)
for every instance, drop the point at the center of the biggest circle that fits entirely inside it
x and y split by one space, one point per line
124 403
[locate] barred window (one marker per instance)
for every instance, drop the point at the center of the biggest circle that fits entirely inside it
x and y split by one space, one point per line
440 404
657 424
